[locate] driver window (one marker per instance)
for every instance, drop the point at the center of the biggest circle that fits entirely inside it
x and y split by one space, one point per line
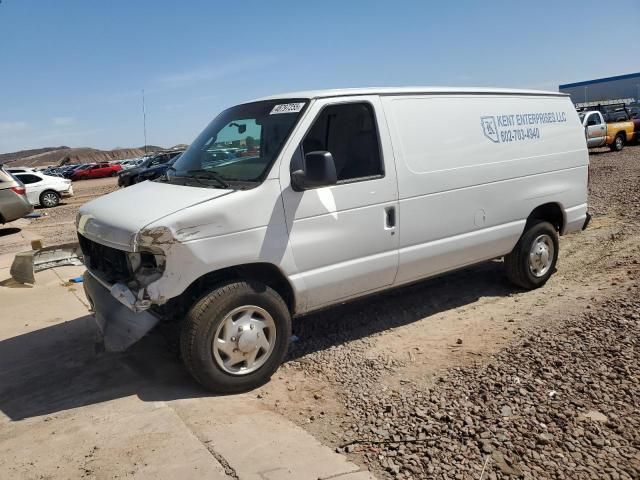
593 119
349 132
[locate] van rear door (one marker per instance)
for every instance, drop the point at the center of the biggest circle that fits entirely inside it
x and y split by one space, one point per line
344 237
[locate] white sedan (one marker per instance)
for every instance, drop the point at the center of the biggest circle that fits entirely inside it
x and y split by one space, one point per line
45 190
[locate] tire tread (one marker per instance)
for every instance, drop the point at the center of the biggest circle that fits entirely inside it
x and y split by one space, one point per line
196 321
515 262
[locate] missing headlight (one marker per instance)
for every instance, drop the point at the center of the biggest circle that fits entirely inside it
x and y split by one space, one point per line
146 267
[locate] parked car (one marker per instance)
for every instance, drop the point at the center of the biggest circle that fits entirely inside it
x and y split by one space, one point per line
615 135
69 170
156 171
127 164
98 170
634 112
130 176
45 190
52 171
13 198
349 192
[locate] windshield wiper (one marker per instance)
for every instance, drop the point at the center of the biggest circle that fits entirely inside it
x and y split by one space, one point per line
208 174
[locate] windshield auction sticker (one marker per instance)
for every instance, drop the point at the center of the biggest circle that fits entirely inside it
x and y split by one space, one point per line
287 108
519 127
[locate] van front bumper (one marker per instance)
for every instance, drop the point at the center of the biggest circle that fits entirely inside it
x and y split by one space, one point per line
119 325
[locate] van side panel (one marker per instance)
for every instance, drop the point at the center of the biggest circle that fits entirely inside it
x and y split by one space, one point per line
471 168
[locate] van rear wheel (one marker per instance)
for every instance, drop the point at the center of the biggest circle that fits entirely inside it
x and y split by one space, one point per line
235 337
533 260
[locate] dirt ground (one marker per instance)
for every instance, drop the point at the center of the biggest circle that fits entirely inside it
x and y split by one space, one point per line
56 225
353 370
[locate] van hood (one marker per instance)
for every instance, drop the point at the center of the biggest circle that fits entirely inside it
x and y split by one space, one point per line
115 219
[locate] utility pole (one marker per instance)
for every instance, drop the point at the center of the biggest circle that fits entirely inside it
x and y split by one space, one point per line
144 123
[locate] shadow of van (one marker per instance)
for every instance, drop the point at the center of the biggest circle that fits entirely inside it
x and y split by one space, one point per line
59 368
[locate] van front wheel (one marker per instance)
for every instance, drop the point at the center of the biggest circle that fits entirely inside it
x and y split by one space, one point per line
234 338
533 259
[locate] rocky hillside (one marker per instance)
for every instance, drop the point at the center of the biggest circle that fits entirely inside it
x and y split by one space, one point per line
10 157
60 155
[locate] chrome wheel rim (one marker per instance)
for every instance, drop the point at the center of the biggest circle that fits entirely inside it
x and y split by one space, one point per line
50 199
618 142
541 255
244 340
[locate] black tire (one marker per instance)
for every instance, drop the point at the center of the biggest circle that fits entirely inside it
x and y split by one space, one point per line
201 324
113 174
618 143
517 263
49 199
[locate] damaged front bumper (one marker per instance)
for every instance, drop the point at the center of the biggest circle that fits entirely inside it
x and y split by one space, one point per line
121 318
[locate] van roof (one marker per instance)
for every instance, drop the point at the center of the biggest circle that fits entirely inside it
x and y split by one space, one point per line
341 92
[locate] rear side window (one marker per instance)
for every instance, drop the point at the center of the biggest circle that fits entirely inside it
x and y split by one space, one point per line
28 179
349 132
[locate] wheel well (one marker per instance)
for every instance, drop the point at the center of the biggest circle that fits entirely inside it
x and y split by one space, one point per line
622 134
549 212
265 273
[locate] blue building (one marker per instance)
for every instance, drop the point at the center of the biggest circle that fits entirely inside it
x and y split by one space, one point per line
623 87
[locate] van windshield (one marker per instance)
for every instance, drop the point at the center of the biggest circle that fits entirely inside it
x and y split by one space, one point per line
239 145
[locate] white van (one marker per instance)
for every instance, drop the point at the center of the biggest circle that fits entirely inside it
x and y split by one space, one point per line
325 197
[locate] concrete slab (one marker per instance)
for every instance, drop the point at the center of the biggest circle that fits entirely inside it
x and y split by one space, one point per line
69 410
260 444
121 438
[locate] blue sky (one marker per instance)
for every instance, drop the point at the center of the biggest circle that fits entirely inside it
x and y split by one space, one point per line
71 72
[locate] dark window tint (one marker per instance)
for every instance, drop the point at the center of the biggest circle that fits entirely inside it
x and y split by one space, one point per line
27 179
349 133
594 119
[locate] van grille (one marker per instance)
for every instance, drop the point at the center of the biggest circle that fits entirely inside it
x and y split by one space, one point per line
111 263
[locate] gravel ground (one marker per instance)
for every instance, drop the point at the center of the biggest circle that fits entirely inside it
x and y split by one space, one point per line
559 404
560 397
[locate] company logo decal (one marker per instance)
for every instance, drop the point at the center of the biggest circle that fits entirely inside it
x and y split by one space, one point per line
490 128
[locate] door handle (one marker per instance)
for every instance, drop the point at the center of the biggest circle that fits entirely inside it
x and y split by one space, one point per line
390 217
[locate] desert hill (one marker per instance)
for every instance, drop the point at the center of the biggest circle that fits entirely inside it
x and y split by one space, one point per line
59 155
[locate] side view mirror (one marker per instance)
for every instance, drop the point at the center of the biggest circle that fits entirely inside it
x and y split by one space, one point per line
319 171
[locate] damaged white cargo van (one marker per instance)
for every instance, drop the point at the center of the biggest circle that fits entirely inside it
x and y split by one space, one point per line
292 203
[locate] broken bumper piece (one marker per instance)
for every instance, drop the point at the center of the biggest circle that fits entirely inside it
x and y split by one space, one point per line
119 325
26 264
